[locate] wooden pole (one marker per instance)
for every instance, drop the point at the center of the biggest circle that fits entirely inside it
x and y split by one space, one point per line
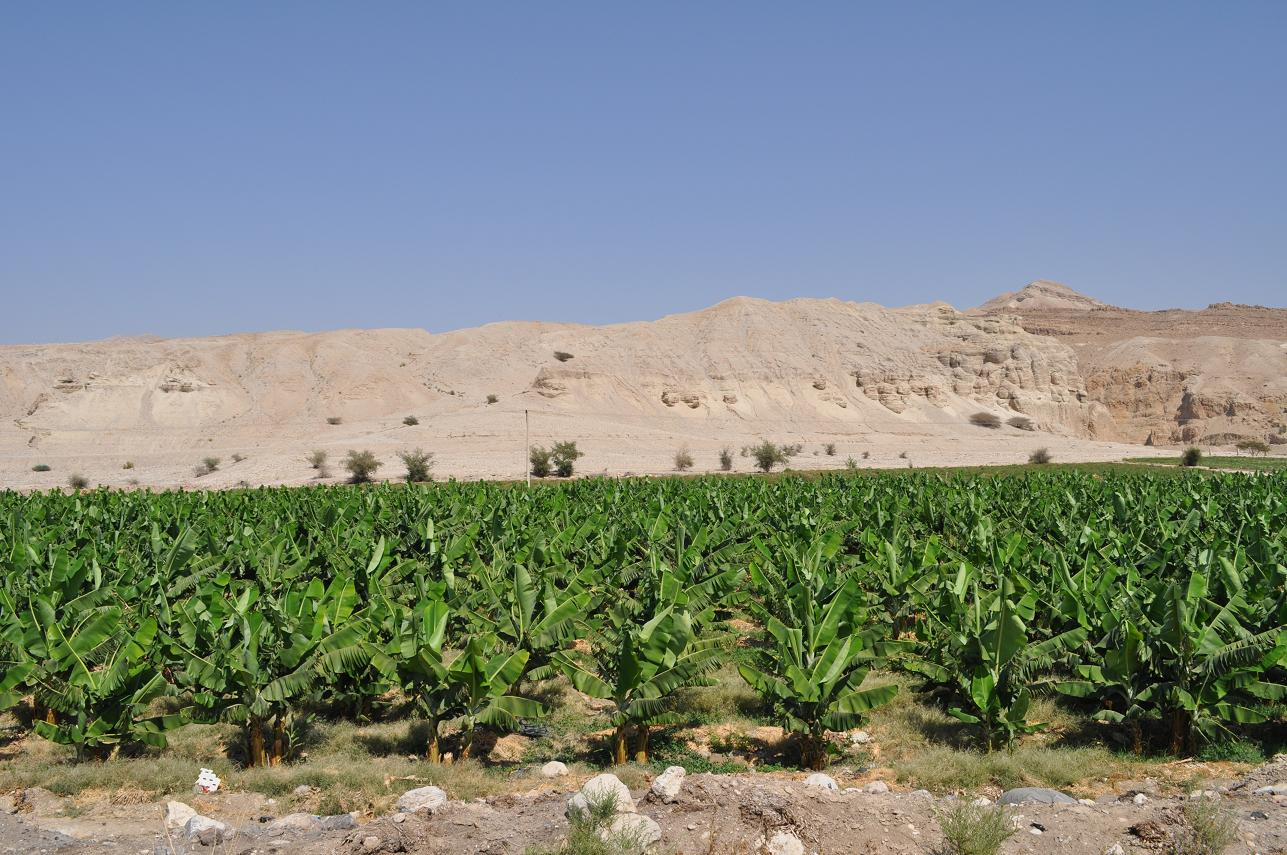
527 447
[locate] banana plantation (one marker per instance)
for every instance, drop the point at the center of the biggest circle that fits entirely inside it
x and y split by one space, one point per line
1154 606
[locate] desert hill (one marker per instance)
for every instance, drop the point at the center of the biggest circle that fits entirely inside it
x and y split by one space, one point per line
873 380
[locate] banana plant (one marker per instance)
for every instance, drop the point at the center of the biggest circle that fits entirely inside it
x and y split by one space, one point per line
476 685
638 667
813 673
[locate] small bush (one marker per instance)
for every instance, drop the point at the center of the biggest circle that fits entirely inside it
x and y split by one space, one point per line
985 419
767 455
1192 456
491 399
562 356
792 450
317 459
969 829
851 464
564 456
683 459
1021 422
40 467
902 455
208 465
418 464
361 466
334 420
1254 446
1210 828
866 455
129 464
830 448
726 459
1041 455
78 482
539 458
237 458
411 421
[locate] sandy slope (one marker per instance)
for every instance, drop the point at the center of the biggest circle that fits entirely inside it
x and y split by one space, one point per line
870 379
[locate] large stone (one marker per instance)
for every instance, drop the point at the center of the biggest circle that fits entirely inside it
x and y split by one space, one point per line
667 785
631 832
554 769
600 788
337 822
784 843
427 799
876 788
294 822
817 779
204 830
1037 795
177 815
1272 790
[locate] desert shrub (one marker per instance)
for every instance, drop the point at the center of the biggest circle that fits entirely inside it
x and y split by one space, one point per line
726 459
1041 455
411 421
985 419
970 829
317 459
1254 446
77 481
334 420
361 466
792 450
830 448
562 356
902 455
683 459
1021 422
418 464
767 455
129 464
851 464
539 458
40 467
1209 828
207 465
1192 456
237 458
491 399
564 456
866 455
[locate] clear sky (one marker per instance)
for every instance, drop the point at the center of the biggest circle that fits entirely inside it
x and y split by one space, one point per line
201 168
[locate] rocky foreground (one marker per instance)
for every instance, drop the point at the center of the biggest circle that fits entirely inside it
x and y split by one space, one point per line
679 813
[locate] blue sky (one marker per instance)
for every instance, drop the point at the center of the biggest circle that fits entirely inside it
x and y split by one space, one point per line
190 169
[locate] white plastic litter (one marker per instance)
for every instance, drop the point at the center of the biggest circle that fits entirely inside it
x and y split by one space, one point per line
207 782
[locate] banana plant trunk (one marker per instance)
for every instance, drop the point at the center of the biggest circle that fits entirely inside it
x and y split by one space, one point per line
256 746
466 740
619 755
434 752
279 740
1181 732
641 744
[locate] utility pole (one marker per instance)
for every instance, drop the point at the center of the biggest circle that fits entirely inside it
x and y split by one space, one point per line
527 447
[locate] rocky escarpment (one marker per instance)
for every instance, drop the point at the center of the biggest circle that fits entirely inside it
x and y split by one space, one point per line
1214 376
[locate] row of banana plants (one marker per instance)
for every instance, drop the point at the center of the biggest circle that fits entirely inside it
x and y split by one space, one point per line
1154 604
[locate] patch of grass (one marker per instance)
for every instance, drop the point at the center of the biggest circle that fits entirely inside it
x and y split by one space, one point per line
40 467
77 481
943 769
1260 464
969 829
1210 828
1235 750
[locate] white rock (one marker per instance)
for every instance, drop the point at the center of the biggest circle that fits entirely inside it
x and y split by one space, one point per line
922 794
554 769
859 737
1140 799
302 790
429 799
1115 849
784 843
603 787
876 788
1275 790
177 815
666 786
399 818
1086 802
982 801
204 830
817 779
370 843
294 822
631 832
